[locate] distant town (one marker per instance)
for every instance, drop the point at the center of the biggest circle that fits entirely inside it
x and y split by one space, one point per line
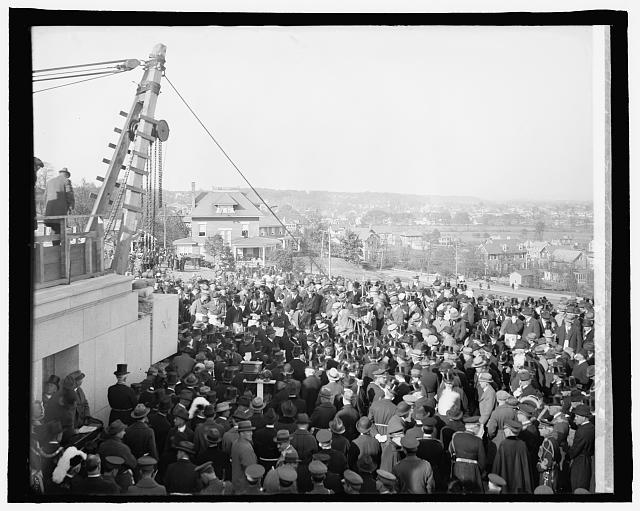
539 245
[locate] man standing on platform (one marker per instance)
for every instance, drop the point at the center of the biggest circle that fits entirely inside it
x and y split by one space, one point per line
60 200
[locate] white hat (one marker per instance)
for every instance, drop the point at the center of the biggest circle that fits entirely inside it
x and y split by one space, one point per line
333 374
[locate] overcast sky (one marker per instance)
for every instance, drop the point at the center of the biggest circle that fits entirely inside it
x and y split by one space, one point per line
491 112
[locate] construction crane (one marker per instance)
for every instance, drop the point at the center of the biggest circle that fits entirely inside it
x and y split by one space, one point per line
121 201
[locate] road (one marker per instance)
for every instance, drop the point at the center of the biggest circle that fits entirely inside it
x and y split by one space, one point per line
522 292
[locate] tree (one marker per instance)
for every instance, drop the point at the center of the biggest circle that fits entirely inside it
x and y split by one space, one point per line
176 228
435 234
539 227
221 253
351 246
214 246
374 216
42 176
285 260
461 217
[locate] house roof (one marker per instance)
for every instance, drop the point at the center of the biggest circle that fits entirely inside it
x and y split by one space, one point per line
268 220
565 255
538 246
185 241
256 241
524 273
207 204
495 246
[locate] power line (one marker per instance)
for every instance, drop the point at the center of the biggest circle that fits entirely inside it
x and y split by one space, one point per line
78 81
231 161
47 78
112 68
80 65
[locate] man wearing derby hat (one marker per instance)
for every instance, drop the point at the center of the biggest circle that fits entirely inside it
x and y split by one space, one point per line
181 477
139 436
114 446
582 451
364 444
242 454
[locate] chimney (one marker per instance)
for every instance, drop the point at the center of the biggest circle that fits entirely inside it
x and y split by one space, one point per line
193 195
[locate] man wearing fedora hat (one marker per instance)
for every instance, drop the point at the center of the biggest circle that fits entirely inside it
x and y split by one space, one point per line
181 477
242 454
139 436
302 440
487 398
159 420
113 445
59 198
122 398
213 453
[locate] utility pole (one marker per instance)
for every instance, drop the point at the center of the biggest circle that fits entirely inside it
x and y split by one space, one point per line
456 247
329 251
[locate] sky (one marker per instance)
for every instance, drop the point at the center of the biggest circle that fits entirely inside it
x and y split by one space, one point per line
491 112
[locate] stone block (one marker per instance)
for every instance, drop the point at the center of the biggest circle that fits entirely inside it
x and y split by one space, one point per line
138 348
123 310
87 364
85 298
110 351
164 318
57 334
97 319
36 380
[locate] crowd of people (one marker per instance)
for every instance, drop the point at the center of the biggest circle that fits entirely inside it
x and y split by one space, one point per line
331 386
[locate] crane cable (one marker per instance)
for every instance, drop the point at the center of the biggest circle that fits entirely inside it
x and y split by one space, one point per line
229 159
80 81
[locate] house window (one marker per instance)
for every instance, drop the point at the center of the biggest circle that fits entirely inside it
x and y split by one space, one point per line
202 230
226 235
245 230
224 209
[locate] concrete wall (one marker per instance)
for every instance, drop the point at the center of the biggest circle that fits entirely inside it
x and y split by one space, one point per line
164 326
93 325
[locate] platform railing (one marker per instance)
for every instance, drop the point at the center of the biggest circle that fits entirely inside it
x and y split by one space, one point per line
69 256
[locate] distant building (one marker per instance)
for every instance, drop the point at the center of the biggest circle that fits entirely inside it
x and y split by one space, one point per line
522 278
503 255
240 222
446 240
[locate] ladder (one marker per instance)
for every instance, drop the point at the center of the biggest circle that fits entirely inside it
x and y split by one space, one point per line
135 139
